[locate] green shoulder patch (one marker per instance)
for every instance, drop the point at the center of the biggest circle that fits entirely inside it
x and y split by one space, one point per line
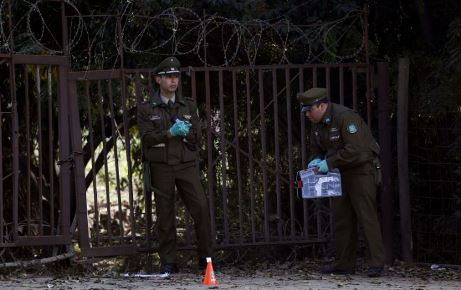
352 128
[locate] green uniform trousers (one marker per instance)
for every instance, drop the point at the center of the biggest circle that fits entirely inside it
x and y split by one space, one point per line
357 205
185 177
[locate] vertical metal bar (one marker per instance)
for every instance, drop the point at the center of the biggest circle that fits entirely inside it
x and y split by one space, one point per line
277 154
237 154
117 173
28 153
368 95
40 160
354 89
93 163
64 129
15 128
314 77
64 176
368 77
126 130
330 201
194 85
290 151
250 157
50 151
79 168
385 140
147 192
106 167
402 153
149 84
302 119
64 149
15 133
137 87
341 85
179 90
65 33
317 202
263 152
222 137
210 170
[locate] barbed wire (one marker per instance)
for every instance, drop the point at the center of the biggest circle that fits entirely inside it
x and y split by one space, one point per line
181 31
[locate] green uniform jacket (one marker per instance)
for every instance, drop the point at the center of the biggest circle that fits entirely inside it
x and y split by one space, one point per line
154 121
343 139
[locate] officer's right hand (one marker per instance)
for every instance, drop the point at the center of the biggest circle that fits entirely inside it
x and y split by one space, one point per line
314 163
177 129
185 127
323 166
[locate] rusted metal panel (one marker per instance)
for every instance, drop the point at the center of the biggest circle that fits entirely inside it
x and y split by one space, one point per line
37 94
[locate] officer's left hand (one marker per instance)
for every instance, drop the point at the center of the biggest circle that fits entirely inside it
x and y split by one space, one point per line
322 166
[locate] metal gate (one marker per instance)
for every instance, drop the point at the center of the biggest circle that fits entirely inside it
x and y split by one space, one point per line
255 142
35 152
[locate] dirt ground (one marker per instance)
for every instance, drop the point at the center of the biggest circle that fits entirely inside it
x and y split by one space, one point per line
297 275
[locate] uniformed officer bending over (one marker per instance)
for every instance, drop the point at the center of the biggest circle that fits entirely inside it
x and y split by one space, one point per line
341 139
170 130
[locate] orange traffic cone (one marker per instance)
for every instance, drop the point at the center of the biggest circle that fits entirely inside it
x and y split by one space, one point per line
209 278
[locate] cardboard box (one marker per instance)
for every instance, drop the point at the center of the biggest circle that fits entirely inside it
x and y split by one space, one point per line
317 185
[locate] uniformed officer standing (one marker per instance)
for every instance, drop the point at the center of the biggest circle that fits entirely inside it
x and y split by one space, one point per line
341 139
170 131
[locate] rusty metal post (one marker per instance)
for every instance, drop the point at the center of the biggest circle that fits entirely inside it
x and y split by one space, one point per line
402 153
385 141
63 129
15 126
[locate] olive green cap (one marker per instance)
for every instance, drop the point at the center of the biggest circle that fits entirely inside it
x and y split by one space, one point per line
310 97
169 65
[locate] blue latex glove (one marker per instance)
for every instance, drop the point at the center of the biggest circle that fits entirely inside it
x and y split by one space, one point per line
177 129
185 127
314 163
323 166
